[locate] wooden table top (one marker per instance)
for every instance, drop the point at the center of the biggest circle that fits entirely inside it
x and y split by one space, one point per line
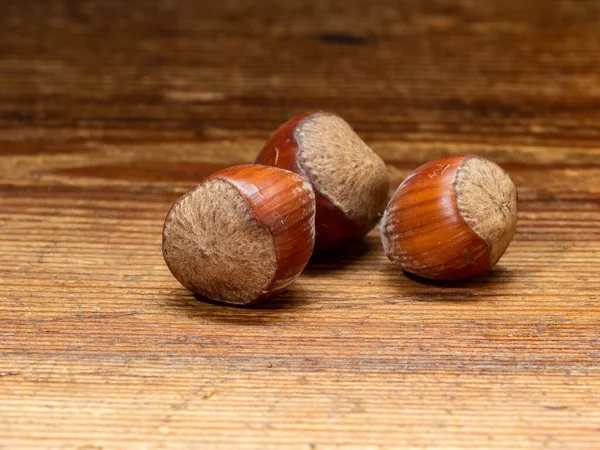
109 110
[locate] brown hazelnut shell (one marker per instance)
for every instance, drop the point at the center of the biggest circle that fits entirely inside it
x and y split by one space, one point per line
332 225
425 231
278 209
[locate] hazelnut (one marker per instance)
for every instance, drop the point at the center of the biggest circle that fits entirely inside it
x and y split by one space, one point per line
242 235
450 219
350 181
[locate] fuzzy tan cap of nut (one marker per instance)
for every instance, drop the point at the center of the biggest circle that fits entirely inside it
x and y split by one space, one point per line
215 247
487 201
342 167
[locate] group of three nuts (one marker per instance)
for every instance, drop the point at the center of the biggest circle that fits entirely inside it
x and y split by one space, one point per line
247 232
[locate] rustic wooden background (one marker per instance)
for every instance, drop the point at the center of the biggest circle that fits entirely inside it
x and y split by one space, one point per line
110 109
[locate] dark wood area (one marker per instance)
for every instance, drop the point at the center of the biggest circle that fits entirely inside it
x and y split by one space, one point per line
109 110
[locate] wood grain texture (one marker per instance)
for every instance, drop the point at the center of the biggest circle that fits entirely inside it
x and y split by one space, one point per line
110 110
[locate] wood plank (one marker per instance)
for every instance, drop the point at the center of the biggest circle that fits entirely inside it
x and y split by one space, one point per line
110 110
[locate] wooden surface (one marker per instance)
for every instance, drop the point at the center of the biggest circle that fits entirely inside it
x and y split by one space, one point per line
109 110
